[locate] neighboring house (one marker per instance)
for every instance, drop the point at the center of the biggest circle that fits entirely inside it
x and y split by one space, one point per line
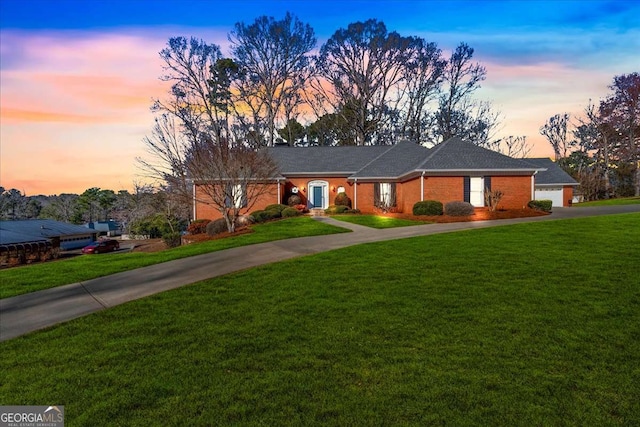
553 183
391 178
106 228
31 240
60 234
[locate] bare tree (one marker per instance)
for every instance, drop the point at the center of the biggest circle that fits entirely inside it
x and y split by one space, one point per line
458 114
362 64
621 110
166 162
233 177
274 60
555 130
422 81
515 146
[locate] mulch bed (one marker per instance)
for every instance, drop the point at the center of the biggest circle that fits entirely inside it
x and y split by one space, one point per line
479 215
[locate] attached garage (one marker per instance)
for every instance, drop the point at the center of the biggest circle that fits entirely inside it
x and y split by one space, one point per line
552 183
555 194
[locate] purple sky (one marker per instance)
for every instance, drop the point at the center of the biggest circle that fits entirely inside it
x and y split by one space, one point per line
77 77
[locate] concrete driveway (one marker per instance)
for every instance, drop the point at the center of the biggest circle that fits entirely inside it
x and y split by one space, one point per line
26 313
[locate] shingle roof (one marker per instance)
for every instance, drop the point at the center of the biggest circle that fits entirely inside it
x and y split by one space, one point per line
324 160
553 175
34 230
459 155
395 161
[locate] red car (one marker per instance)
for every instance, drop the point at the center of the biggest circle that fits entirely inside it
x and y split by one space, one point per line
101 246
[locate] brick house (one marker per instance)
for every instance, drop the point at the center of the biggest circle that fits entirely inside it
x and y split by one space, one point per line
392 177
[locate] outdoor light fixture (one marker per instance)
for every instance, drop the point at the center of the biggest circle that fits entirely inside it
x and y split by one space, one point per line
333 188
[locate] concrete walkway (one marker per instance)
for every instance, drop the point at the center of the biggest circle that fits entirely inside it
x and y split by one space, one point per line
26 313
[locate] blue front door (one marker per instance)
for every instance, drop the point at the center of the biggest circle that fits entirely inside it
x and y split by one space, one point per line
317 197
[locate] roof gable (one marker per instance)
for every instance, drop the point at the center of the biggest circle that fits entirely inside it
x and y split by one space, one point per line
401 159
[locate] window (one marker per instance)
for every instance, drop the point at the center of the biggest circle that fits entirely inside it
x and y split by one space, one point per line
236 196
384 195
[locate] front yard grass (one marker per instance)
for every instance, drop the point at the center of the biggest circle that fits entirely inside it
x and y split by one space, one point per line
30 278
377 221
531 324
611 202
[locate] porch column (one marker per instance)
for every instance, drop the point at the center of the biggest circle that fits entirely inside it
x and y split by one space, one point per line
279 199
355 194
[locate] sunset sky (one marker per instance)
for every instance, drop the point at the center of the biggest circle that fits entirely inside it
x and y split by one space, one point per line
77 77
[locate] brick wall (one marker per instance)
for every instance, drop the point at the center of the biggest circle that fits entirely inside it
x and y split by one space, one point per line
567 195
208 211
516 189
444 188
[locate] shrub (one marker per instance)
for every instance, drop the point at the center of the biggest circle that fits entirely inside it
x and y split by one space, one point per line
260 216
278 208
198 226
541 205
492 198
427 207
458 209
294 200
332 210
302 208
342 200
289 212
172 240
216 227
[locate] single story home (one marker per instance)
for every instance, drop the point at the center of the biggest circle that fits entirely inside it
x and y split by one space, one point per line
553 183
392 177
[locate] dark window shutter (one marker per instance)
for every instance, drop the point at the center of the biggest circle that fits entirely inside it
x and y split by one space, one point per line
393 195
227 195
245 201
467 189
376 194
487 183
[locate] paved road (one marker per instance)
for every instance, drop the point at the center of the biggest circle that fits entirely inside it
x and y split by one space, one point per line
26 313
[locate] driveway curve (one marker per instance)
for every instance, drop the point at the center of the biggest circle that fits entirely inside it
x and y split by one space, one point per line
29 312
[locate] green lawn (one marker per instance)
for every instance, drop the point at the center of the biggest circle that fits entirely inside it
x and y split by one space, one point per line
532 324
376 221
612 202
30 278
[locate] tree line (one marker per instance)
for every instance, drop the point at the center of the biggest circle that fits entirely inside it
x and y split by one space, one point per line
601 147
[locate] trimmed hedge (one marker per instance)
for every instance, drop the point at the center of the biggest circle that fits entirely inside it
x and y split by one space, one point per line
541 205
277 207
458 209
428 207
216 227
333 210
289 212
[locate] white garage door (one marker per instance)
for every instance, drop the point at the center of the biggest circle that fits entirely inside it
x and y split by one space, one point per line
550 193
